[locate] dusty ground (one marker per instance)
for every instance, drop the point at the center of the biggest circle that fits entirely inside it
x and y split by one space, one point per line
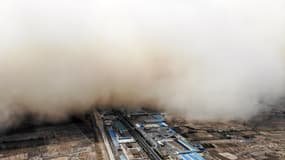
262 138
67 141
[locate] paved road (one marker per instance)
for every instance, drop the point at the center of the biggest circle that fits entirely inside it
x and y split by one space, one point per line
141 141
104 136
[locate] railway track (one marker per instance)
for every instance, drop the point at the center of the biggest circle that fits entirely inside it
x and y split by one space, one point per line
140 139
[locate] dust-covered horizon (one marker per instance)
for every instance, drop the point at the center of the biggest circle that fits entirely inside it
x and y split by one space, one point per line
208 59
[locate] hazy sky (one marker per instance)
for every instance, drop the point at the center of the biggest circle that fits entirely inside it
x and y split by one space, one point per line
206 59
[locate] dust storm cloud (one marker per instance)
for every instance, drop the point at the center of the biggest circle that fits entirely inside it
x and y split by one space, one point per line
208 59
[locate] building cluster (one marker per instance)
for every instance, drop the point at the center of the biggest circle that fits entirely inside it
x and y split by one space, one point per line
123 145
235 140
144 134
166 142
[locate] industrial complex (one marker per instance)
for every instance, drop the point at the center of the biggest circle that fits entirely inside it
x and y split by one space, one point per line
144 134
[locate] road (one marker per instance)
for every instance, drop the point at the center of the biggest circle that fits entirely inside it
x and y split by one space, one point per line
141 141
104 136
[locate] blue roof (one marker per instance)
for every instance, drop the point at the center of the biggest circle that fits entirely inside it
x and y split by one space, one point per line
186 157
197 156
113 136
187 145
122 157
192 156
163 124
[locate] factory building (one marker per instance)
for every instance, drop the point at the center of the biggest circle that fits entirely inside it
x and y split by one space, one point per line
155 131
123 144
166 142
123 135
